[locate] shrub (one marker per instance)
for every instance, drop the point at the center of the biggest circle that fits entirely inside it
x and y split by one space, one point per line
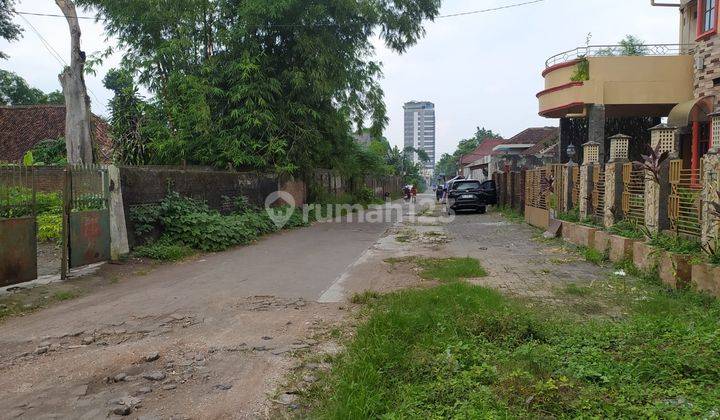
572 216
165 250
49 227
675 244
627 229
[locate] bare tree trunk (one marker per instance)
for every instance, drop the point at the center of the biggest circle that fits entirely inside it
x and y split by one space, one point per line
78 132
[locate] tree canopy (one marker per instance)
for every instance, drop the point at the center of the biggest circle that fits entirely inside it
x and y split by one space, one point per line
448 163
9 31
14 90
260 84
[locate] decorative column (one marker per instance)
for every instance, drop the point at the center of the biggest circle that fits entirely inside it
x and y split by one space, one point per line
567 187
596 128
590 157
656 195
619 152
711 185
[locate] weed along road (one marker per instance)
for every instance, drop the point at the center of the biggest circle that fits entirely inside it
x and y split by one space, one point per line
207 337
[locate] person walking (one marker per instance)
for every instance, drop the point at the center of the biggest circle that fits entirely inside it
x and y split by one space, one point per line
413 192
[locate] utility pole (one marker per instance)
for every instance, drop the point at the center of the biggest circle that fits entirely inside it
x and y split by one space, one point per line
78 132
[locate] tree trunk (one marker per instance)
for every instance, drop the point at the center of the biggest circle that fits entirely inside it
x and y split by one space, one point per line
78 132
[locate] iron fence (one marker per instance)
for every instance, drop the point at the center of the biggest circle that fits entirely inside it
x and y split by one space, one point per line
685 201
633 195
619 50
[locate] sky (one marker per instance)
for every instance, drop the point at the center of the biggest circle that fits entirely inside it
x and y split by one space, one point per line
482 69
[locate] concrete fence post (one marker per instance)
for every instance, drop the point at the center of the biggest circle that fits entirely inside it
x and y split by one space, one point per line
658 194
619 152
586 176
591 156
567 187
118 231
711 186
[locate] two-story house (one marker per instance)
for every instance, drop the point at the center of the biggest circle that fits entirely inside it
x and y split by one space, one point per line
600 90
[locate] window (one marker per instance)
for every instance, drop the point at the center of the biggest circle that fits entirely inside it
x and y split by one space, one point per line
707 17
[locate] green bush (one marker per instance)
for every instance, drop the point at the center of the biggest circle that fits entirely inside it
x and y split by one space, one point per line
165 250
49 227
572 216
627 229
676 244
17 202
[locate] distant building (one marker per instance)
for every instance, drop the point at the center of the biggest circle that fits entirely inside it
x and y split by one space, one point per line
22 127
363 138
420 129
527 149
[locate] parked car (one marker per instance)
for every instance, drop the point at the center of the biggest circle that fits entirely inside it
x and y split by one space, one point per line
471 194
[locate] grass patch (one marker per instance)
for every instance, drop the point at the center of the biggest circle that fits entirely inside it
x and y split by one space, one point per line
464 351
365 297
511 214
164 250
450 269
575 290
676 244
627 229
65 295
592 255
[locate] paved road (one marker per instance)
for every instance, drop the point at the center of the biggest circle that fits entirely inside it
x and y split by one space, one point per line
253 301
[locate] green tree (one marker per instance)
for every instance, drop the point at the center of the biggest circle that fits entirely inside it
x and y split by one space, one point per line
127 112
261 84
14 90
9 31
448 164
632 45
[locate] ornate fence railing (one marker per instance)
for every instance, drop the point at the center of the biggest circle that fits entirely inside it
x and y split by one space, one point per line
633 195
685 201
619 50
575 196
598 192
534 194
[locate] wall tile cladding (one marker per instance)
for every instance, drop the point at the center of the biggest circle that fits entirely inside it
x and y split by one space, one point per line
709 51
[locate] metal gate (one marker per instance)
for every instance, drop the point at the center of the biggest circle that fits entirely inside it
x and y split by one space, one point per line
633 195
685 201
18 246
87 217
598 193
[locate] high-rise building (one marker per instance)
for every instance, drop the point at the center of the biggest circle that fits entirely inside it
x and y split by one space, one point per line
420 129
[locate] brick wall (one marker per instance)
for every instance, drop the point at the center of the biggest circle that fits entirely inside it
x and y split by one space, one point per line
47 178
708 51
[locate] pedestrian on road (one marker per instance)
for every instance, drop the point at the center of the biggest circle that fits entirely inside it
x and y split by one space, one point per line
413 191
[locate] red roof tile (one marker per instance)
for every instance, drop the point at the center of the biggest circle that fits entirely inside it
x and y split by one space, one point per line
535 135
22 127
484 149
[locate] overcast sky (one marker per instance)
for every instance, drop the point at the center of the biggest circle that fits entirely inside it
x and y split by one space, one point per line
479 70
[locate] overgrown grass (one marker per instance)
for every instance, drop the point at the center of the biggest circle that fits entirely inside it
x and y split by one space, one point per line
164 250
464 351
365 297
627 229
450 269
676 244
592 255
65 295
511 214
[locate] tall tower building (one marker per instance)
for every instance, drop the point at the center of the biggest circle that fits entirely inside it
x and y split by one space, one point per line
420 129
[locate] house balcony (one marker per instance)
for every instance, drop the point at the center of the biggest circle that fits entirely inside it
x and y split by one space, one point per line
650 84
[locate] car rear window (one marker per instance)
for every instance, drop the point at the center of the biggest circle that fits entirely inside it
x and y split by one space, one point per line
466 185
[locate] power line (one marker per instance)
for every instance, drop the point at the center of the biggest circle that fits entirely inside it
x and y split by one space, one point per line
47 45
54 52
473 12
451 15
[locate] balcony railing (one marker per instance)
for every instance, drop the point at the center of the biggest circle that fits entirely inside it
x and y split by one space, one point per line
620 50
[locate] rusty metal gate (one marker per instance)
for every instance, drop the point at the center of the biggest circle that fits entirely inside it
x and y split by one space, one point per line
18 245
87 216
